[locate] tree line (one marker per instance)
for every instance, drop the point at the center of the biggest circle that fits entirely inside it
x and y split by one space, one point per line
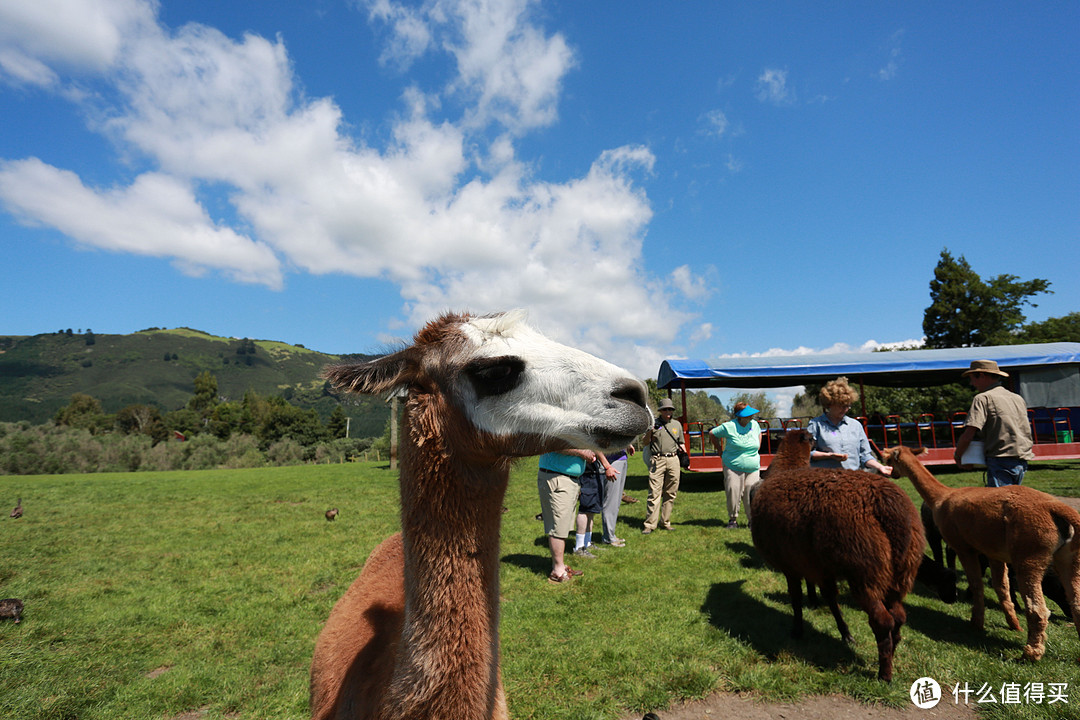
208 432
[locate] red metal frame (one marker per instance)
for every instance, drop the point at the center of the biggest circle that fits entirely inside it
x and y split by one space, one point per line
707 460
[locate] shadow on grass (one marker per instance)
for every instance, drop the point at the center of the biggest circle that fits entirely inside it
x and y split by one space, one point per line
768 631
537 564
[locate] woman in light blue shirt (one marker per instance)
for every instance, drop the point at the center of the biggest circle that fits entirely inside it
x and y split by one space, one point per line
839 440
742 461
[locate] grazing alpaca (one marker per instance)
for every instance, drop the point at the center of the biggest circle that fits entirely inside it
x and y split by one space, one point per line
825 525
17 511
331 513
1013 526
1051 584
417 634
11 608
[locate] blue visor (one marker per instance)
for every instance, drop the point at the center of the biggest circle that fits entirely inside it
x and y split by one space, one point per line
747 412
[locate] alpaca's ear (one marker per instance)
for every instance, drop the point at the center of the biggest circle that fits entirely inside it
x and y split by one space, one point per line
918 451
375 376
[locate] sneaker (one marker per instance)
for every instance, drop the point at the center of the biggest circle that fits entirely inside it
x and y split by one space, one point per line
584 552
615 542
669 527
646 531
732 525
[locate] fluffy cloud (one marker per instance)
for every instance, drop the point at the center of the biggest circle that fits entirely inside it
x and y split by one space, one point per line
446 210
772 87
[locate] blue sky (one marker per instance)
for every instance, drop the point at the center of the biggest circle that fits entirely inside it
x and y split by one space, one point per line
648 179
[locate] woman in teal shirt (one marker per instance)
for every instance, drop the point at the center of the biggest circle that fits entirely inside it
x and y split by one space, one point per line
742 461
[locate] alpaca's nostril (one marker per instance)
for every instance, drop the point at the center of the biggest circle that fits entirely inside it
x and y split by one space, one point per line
631 391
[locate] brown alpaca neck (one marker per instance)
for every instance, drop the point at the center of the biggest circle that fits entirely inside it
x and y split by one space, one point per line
450 515
928 486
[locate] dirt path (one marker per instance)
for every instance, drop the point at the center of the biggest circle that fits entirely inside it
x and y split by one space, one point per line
832 707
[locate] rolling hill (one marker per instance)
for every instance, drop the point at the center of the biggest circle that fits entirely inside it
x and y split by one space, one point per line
40 373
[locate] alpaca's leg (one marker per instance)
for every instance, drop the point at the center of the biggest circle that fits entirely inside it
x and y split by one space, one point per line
1067 565
1030 580
830 593
794 588
973 570
999 579
899 615
811 595
883 625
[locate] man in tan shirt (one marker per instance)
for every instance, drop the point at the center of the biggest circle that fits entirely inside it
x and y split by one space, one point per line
664 440
1001 418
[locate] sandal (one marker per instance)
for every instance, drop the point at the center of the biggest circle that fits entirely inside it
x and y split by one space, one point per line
570 574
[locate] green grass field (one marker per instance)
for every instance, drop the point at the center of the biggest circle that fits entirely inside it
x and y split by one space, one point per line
152 595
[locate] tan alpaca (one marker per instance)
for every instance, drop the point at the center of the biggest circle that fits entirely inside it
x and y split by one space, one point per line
417 634
1013 525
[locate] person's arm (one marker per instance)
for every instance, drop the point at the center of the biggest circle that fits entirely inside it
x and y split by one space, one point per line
714 437
587 455
609 471
866 455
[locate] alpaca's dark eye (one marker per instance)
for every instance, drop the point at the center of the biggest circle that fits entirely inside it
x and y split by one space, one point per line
495 376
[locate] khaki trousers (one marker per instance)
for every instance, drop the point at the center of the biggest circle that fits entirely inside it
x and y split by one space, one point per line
663 487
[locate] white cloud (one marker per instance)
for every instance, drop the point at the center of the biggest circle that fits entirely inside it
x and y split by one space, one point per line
772 87
693 287
446 209
82 35
892 66
156 215
716 123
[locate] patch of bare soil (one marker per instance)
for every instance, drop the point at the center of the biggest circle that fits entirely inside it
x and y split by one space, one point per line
832 707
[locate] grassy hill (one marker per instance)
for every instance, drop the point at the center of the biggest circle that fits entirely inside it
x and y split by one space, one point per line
40 373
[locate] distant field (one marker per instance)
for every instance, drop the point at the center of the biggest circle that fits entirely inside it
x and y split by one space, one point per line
151 595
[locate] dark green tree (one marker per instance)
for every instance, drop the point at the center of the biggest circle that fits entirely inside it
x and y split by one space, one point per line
206 394
966 311
142 419
1055 329
83 411
336 423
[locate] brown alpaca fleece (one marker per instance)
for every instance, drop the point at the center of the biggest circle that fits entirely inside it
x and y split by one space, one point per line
1014 526
416 636
826 525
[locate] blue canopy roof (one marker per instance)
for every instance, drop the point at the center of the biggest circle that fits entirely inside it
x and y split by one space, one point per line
889 369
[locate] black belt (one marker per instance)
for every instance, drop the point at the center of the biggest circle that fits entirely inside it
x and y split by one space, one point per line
674 454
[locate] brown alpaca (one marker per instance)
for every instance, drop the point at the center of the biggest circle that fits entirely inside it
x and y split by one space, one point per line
826 525
331 514
1012 526
417 634
17 511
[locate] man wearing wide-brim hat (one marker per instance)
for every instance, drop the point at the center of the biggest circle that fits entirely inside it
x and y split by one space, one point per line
664 441
1000 418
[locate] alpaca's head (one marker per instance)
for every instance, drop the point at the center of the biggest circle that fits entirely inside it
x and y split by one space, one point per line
793 452
524 393
901 459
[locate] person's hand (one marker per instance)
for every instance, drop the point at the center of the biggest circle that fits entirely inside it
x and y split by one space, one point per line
885 470
612 473
630 450
589 455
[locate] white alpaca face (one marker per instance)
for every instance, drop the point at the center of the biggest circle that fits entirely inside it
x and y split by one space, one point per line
518 382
